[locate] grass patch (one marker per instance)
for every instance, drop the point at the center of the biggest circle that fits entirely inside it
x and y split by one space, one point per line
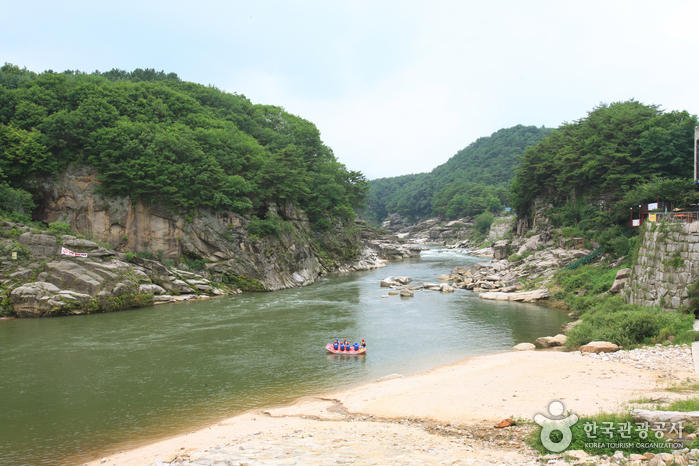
518 257
690 404
685 387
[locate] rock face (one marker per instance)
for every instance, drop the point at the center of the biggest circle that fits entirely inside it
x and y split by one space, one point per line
287 260
42 245
57 284
501 249
667 265
620 281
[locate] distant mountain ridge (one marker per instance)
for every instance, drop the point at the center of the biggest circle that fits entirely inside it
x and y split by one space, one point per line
469 183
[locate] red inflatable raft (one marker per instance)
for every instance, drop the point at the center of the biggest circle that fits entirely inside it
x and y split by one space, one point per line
362 350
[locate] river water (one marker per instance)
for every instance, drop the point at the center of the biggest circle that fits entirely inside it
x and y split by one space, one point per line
74 388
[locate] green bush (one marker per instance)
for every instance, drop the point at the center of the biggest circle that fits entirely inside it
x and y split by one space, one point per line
482 222
59 228
243 282
571 232
627 324
129 256
271 225
197 264
145 255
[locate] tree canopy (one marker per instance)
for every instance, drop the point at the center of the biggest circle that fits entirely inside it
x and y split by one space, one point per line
603 156
182 144
474 180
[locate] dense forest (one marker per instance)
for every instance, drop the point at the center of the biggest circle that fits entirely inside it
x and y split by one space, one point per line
177 143
589 174
475 180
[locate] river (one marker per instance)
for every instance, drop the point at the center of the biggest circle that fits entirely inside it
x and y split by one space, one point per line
74 388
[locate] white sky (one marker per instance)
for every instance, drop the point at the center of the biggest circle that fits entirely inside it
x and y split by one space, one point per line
394 87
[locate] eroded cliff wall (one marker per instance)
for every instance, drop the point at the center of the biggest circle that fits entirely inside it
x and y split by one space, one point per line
290 259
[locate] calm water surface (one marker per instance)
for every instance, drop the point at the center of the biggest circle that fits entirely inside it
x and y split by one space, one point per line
74 388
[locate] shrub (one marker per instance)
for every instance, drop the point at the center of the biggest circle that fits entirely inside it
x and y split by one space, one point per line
59 228
627 325
129 256
482 222
243 282
197 264
271 225
571 232
145 255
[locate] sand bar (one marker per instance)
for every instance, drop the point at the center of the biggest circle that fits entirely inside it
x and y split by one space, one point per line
346 426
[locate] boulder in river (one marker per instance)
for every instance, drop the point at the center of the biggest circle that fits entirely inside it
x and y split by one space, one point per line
395 281
524 347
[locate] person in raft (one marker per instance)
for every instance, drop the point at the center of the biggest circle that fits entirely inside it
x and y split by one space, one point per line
363 343
336 344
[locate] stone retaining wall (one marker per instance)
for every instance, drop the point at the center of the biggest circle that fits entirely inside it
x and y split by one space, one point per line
667 265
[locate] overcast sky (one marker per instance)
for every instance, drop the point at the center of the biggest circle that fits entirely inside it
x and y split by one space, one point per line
394 87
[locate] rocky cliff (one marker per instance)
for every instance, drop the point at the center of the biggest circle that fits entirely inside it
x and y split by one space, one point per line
115 235
294 257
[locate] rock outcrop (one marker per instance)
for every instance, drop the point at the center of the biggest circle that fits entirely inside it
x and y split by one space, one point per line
599 347
45 281
296 256
437 231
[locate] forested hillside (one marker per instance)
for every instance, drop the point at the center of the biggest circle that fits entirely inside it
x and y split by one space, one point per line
590 173
184 145
474 180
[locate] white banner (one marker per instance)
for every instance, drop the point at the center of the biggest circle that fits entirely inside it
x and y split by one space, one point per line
636 222
68 252
653 206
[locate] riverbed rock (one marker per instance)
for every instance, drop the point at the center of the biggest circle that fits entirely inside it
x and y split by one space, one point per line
524 347
620 281
599 347
501 249
550 342
395 281
406 293
527 296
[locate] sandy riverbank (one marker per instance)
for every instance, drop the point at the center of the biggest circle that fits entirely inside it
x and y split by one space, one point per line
342 427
